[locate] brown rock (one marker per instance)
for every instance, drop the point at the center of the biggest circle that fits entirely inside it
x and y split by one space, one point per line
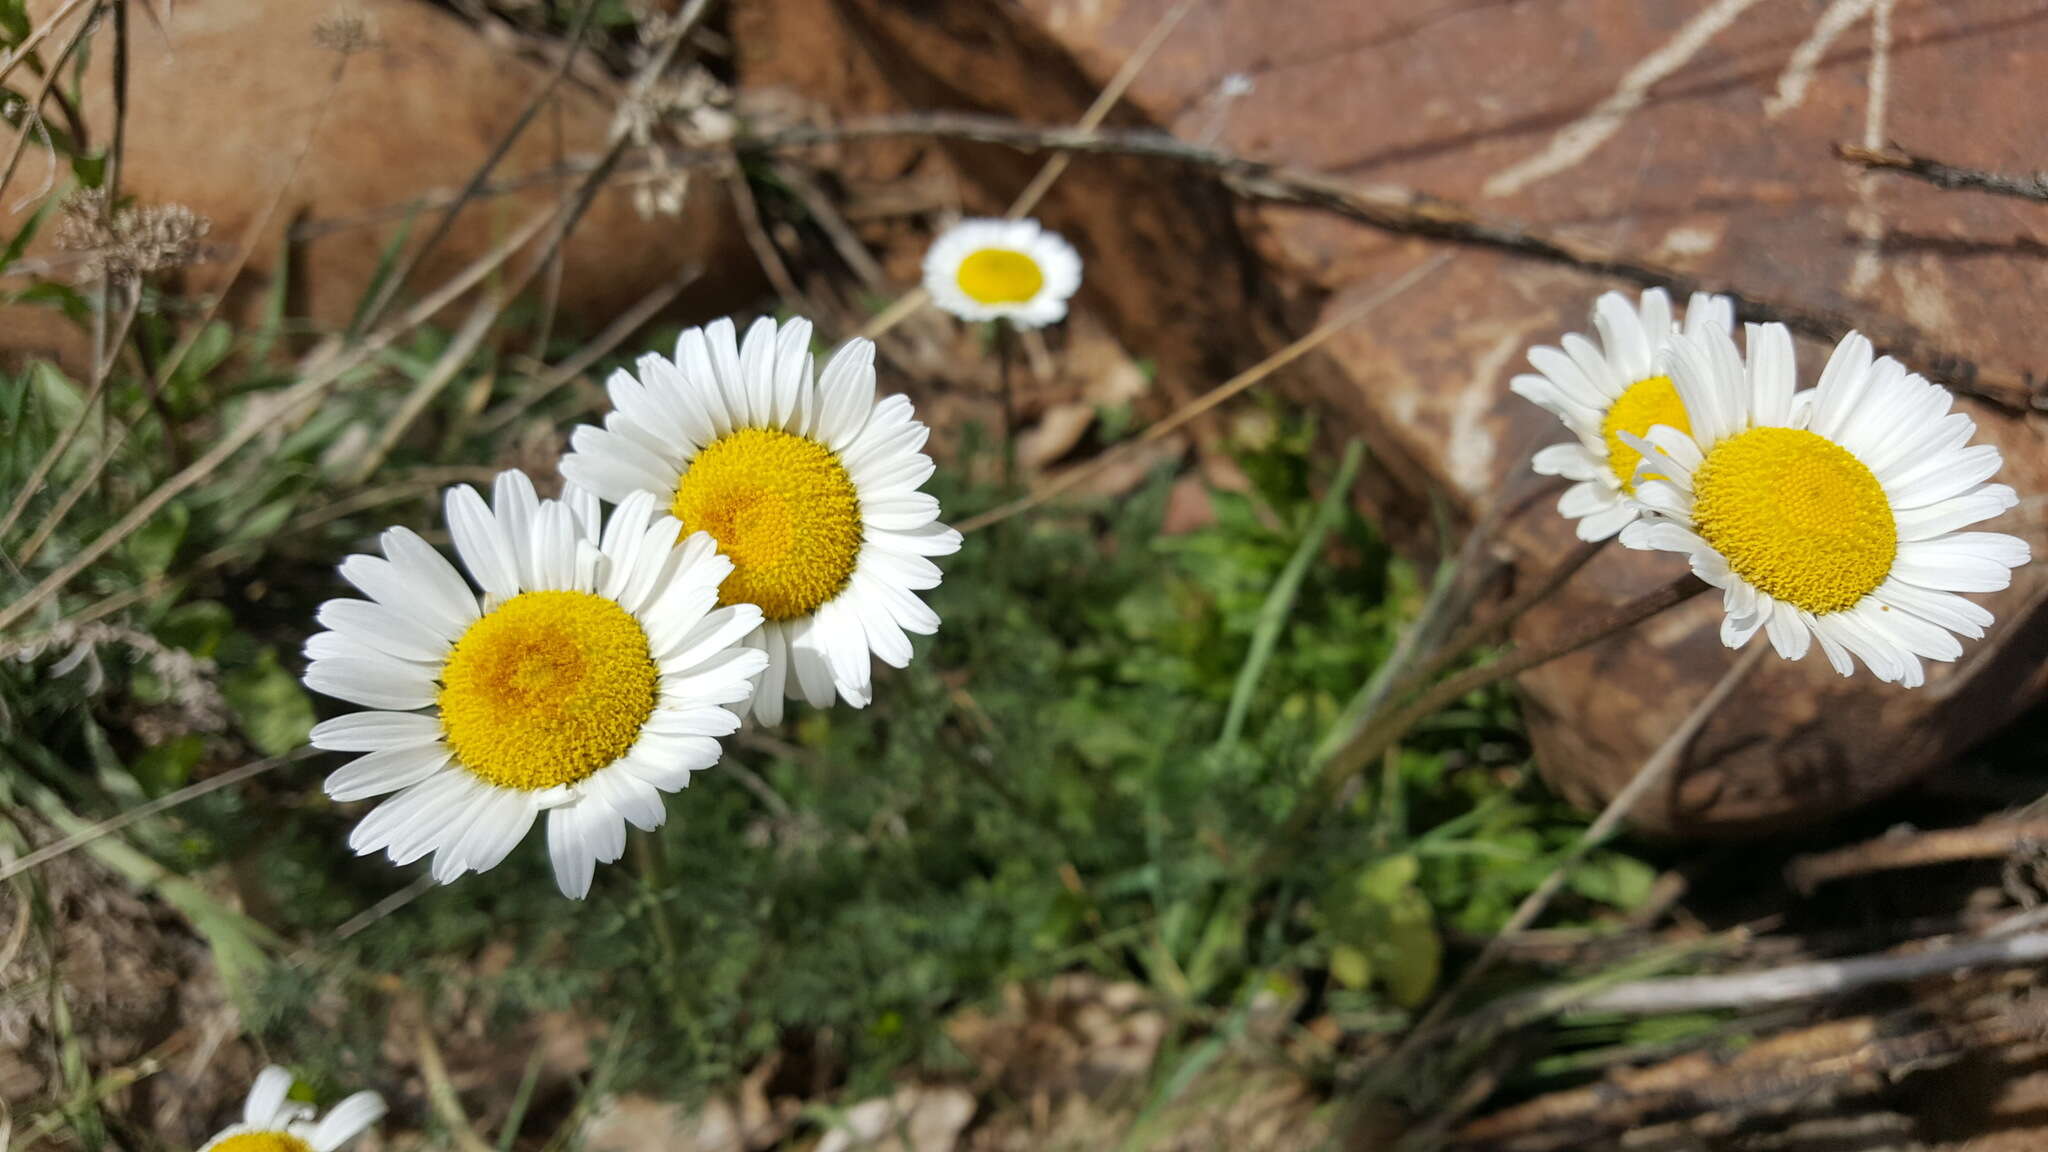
223 94
1699 135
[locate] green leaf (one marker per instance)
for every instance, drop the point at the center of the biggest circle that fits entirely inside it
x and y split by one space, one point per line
1612 878
154 545
1350 967
14 20
273 710
197 626
169 765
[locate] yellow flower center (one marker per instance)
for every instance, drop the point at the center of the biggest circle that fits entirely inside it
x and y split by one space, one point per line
784 509
1648 402
1000 276
546 689
1797 516
262 1142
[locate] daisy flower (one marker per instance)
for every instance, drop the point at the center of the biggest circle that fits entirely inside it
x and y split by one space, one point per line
271 1123
809 487
588 679
1010 270
1834 514
1605 392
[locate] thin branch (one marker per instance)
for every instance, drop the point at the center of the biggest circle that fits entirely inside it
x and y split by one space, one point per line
113 824
1050 172
1495 623
411 260
628 322
1991 840
1074 477
1099 111
32 117
1410 213
2033 186
1801 982
1372 741
27 47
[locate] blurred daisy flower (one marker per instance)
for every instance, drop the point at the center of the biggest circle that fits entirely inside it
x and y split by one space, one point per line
272 1123
588 679
1833 514
1010 270
810 488
1606 392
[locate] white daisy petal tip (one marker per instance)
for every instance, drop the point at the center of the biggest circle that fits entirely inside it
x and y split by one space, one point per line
805 508
1836 520
471 737
271 1121
1010 270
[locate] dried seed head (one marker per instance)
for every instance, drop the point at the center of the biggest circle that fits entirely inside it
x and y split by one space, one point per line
346 31
132 241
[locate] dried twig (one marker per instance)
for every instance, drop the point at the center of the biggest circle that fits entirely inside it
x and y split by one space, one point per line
1371 741
1800 982
1050 172
1500 619
1991 840
374 311
614 334
1407 212
27 47
51 851
2033 186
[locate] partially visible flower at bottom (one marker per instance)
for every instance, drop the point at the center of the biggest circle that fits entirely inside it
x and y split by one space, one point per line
1830 515
591 678
273 1123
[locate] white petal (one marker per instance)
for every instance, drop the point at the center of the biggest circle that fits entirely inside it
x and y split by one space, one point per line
1606 522
1980 503
1570 461
885 637
846 394
1772 376
695 360
571 853
379 628
929 540
630 796
1587 498
791 372
386 771
433 583
1945 476
481 544
1961 562
714 632
771 642
348 1120
901 513
266 1096
375 731
1921 637
1622 335
1788 633
810 669
1841 386
1950 611
499 827
373 685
